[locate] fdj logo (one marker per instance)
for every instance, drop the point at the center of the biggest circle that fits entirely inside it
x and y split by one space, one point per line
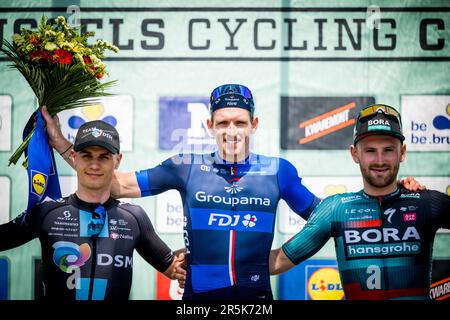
223 220
325 284
38 181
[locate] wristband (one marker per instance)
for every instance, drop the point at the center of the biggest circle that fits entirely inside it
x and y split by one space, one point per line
61 153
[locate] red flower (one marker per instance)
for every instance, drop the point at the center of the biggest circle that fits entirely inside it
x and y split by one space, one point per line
87 60
62 56
34 40
39 54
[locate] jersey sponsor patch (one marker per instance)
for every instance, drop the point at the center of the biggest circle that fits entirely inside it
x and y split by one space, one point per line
376 242
85 218
214 219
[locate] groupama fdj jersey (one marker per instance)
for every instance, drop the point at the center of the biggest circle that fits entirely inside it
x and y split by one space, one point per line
229 214
383 244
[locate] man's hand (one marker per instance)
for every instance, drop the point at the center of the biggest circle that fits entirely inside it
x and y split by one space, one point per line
177 270
279 262
55 136
180 273
411 184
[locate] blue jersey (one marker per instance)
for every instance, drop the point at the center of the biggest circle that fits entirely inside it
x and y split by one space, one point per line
229 212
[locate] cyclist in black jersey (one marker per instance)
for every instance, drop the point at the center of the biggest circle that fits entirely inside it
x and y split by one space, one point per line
383 234
88 238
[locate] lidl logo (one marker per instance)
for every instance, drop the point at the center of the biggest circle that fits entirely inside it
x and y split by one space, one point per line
325 284
38 182
313 279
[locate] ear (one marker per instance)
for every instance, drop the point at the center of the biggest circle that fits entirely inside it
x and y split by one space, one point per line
255 124
354 153
209 124
72 156
403 153
118 160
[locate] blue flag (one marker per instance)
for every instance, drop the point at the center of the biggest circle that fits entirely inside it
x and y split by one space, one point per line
42 174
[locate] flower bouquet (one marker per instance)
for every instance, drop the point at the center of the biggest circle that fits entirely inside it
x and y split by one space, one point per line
57 63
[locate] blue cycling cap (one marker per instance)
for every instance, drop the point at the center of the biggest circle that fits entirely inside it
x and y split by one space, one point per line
231 96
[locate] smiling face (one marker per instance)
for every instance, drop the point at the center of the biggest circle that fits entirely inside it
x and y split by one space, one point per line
232 128
379 158
95 168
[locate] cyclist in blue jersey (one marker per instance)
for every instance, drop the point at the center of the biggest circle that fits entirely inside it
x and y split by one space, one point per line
88 238
229 199
383 234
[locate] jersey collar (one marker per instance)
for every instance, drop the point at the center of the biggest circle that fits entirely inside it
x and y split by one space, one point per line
90 206
391 195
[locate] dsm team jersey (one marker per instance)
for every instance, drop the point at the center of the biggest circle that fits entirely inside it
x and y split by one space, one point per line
77 266
383 244
229 212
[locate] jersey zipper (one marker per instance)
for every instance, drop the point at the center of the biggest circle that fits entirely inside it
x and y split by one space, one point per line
93 265
233 232
385 277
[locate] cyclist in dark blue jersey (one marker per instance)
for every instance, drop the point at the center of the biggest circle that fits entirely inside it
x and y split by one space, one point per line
88 238
229 199
383 234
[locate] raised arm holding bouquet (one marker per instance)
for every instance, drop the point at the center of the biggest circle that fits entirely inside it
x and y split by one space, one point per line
64 73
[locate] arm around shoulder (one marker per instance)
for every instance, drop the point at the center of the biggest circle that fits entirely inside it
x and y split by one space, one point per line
125 185
279 262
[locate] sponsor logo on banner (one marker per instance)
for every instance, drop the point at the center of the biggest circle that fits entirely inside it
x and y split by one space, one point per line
440 284
5 123
167 289
182 124
426 122
313 279
319 122
289 222
4 199
116 110
440 290
324 283
169 216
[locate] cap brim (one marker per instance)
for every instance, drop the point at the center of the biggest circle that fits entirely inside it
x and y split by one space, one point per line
86 144
379 132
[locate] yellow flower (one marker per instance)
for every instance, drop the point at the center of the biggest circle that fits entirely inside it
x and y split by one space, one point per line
50 46
66 45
